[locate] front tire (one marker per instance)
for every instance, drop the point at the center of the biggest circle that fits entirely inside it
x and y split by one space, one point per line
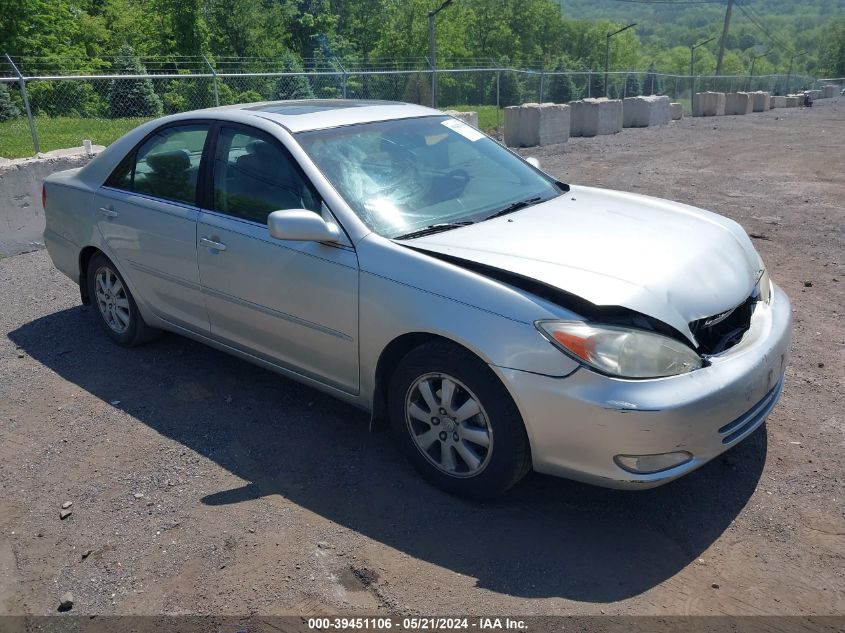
114 304
456 422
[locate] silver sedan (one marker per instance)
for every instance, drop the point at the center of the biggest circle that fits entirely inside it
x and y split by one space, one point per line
401 260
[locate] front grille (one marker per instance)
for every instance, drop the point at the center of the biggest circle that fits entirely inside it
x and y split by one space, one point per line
720 332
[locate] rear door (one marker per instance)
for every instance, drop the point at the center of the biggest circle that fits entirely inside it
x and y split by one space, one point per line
147 214
292 303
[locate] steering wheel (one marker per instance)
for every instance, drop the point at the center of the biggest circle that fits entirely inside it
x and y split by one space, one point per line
453 183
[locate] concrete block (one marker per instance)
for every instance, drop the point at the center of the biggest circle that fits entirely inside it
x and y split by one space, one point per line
645 111
534 124
708 104
739 103
829 91
470 118
511 123
555 119
595 117
760 101
21 214
529 125
815 94
778 101
512 126
677 110
794 101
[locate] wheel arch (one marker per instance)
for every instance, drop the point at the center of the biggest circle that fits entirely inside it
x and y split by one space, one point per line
85 256
388 360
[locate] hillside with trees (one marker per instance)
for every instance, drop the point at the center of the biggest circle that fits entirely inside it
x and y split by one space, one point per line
88 34
53 37
776 28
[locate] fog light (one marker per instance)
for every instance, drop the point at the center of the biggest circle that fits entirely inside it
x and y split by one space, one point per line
649 464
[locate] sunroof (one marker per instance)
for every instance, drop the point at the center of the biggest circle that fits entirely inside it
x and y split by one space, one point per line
293 108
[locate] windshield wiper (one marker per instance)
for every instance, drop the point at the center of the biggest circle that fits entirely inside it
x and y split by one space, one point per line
433 228
514 206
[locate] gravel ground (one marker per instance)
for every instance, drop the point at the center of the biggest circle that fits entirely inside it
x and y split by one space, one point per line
201 484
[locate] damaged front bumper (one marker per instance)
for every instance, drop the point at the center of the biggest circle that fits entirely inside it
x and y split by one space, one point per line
580 425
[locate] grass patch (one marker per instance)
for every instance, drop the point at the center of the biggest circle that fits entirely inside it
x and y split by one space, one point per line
486 115
60 132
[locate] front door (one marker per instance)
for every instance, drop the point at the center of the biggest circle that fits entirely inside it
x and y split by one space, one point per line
292 303
147 214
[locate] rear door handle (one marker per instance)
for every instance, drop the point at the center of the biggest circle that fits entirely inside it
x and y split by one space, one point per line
108 212
212 245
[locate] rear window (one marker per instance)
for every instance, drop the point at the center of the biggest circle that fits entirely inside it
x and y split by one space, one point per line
166 165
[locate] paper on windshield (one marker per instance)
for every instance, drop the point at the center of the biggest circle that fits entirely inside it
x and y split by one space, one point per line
463 129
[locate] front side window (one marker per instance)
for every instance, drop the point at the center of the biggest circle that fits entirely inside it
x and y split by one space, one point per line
403 175
166 165
254 176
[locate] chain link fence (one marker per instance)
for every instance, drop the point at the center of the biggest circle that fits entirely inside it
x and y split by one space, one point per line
46 106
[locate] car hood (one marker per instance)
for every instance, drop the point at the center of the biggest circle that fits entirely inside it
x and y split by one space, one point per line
663 259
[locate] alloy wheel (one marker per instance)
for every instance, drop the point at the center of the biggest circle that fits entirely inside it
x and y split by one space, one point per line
112 299
448 425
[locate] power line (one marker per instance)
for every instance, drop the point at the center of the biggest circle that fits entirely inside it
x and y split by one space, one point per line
756 22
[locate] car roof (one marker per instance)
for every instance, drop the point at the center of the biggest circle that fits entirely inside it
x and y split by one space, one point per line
314 114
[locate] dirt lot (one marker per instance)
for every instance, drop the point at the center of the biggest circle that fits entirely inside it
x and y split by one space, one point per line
201 484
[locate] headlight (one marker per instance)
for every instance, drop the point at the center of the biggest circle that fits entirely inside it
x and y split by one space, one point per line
764 287
620 351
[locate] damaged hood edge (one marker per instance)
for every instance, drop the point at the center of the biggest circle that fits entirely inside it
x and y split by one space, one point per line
669 261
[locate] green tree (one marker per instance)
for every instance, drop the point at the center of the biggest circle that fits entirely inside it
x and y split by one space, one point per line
8 109
596 84
292 87
632 85
131 97
832 61
561 88
510 90
418 89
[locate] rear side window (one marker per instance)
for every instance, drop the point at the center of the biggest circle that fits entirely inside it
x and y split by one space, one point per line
166 166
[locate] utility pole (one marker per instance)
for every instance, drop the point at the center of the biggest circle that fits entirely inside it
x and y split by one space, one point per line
724 37
432 49
754 63
607 51
789 76
692 66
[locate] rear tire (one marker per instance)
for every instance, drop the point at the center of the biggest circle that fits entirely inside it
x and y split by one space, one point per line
456 423
114 305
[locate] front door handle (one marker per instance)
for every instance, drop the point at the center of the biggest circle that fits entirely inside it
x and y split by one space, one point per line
212 245
108 212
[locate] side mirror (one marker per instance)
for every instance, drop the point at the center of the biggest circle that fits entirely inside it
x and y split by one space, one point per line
301 225
533 162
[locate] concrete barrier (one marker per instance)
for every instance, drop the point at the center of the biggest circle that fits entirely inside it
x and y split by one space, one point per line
760 101
470 118
646 111
829 91
535 124
815 94
778 101
21 214
739 103
596 117
794 101
677 110
708 104
511 133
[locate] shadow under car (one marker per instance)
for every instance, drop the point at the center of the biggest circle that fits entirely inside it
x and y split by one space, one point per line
546 538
